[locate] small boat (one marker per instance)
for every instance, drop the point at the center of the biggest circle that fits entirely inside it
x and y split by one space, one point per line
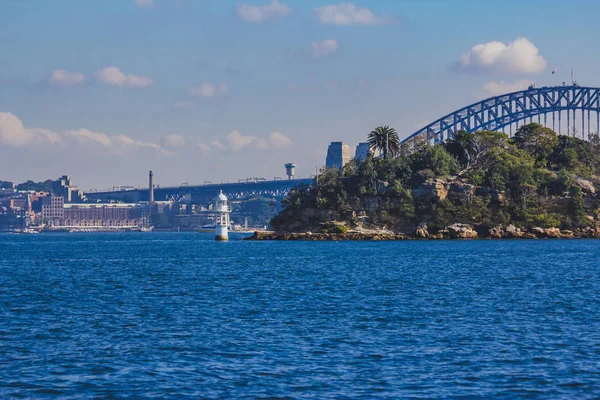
27 231
207 229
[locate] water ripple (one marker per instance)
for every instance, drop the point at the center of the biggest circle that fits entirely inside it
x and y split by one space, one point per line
180 316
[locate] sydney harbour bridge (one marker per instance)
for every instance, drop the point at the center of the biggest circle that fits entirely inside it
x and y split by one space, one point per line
568 110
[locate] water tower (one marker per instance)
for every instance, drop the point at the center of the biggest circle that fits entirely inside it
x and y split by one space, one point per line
221 217
290 170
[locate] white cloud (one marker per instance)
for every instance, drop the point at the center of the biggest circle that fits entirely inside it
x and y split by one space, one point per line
520 57
118 143
84 136
348 14
207 90
218 145
184 104
64 78
324 48
491 89
280 141
14 134
252 13
144 3
237 141
204 148
115 77
174 141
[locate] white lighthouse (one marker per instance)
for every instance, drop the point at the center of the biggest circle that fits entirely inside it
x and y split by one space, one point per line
221 217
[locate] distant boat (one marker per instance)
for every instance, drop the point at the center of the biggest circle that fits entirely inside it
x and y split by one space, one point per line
207 229
27 231
233 228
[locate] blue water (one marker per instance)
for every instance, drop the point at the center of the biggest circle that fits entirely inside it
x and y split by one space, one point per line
178 315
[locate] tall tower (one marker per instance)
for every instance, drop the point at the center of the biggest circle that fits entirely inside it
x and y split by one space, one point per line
221 218
150 190
290 170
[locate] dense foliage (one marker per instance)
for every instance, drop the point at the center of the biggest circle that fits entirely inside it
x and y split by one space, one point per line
533 179
45 186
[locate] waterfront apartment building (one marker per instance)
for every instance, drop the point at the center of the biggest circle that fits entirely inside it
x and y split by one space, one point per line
57 213
338 155
104 215
53 208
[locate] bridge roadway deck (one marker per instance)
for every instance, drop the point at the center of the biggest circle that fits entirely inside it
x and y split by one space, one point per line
204 193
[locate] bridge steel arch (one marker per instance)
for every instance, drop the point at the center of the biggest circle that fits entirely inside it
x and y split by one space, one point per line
498 113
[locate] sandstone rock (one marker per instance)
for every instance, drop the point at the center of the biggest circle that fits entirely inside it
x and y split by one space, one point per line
567 234
585 185
437 236
461 231
537 231
496 232
553 233
512 231
431 190
546 233
422 232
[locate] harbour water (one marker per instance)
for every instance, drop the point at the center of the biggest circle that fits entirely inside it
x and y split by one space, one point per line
175 315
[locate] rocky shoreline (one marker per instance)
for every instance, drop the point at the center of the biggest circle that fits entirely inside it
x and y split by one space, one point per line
456 231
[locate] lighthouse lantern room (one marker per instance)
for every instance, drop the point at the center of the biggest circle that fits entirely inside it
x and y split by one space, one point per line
221 218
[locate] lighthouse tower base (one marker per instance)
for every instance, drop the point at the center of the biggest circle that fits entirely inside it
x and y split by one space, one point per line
221 234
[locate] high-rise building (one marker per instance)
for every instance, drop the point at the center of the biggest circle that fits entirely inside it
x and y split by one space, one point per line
63 186
338 154
362 151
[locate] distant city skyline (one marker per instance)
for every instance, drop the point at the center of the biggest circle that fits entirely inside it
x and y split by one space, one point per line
223 90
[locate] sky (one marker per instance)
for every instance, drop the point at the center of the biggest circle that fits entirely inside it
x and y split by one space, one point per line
219 90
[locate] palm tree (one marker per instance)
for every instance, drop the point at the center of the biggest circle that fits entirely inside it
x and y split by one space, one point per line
385 140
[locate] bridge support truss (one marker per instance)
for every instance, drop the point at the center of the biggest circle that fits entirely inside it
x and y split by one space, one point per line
505 113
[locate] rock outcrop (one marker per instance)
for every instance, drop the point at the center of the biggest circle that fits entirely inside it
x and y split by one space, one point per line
496 232
309 236
585 185
461 231
422 232
546 233
433 190
512 232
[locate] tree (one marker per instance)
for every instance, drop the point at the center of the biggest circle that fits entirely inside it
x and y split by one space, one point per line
537 140
473 149
385 140
435 159
460 145
160 221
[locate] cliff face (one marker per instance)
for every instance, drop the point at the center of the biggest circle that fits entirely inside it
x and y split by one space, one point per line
476 184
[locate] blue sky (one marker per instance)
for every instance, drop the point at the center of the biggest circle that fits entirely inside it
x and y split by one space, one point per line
197 90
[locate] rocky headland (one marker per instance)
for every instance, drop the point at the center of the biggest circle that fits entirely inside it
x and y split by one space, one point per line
536 185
